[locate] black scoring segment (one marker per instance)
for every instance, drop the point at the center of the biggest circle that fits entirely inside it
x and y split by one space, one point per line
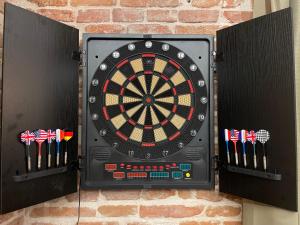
147 99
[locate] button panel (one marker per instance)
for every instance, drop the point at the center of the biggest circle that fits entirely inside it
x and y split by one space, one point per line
148 171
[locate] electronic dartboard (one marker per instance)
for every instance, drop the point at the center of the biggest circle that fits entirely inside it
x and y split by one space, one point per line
147 111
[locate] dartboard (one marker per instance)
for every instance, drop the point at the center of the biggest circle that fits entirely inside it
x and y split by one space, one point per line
148 99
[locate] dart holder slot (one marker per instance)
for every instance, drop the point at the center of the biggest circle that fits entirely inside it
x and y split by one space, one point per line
39 174
255 173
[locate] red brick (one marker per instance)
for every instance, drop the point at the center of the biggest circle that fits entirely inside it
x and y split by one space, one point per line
50 2
174 211
133 3
149 28
93 2
17 221
121 195
39 223
127 15
105 28
57 14
93 15
117 210
162 15
232 223
61 212
198 16
138 223
98 223
200 223
86 196
238 16
209 196
227 211
202 29
6 217
157 194
163 3
205 3
231 3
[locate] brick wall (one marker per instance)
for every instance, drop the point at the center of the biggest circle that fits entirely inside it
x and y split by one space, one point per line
137 207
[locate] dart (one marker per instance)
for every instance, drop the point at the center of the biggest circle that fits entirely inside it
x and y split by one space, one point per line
27 137
251 137
68 134
59 137
227 139
40 137
51 135
234 137
263 136
244 140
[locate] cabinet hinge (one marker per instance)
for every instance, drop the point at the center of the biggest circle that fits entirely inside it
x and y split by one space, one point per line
214 64
80 56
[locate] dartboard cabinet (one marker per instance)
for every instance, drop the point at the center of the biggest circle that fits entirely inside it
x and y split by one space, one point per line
148 108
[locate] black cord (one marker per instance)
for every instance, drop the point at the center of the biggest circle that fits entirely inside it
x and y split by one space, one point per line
79 200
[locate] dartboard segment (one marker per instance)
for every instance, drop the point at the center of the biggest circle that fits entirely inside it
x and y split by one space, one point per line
148 100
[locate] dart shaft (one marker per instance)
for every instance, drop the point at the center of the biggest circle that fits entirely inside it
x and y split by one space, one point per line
66 157
57 153
28 158
49 155
228 153
236 154
236 158
244 155
28 163
49 160
228 157
57 159
254 161
39 161
265 162
40 156
245 159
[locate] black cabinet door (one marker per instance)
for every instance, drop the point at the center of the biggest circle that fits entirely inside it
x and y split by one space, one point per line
256 90
39 91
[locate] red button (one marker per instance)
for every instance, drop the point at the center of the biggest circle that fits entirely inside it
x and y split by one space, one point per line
110 166
141 167
148 167
135 167
122 164
161 167
154 167
118 175
174 164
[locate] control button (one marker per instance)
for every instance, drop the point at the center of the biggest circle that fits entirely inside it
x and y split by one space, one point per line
185 166
148 167
154 167
122 164
177 175
159 175
135 167
187 175
132 175
174 164
110 166
161 167
141 167
118 175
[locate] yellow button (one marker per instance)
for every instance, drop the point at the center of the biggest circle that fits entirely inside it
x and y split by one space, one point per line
187 174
